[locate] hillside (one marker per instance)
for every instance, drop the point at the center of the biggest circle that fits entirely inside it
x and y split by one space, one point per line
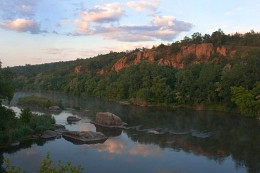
198 71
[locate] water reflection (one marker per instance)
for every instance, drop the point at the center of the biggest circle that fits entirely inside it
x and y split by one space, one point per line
223 143
109 132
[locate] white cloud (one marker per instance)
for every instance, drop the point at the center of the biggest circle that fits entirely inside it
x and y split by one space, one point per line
144 6
163 21
21 25
102 14
99 14
105 21
164 28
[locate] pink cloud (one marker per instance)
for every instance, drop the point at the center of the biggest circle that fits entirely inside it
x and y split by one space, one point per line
145 150
104 13
145 6
163 21
21 25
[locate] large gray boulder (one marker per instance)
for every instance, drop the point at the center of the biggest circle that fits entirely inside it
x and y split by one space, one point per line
107 119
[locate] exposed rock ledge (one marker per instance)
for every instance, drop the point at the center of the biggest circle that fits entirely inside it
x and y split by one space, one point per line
86 137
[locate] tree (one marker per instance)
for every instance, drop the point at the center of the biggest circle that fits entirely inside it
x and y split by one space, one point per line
218 37
6 87
248 101
196 38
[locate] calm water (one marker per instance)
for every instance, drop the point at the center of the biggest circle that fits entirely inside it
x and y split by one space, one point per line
189 141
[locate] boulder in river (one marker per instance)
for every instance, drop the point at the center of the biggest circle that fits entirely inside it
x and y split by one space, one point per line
58 126
84 137
107 119
71 119
49 134
55 109
59 129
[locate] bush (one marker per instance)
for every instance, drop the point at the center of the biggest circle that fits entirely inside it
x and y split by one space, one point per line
47 167
26 115
42 123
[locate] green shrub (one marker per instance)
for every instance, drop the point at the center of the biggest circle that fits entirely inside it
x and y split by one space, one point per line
26 115
47 167
42 122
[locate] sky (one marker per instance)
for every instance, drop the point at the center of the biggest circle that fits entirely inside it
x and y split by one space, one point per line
43 31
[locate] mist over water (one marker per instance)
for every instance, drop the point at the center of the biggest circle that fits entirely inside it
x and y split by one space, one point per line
188 141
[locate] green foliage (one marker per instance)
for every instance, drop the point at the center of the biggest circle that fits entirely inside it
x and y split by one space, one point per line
239 72
197 84
13 128
26 115
42 123
6 87
7 118
47 167
248 101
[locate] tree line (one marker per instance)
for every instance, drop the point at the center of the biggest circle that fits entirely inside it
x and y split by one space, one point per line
224 84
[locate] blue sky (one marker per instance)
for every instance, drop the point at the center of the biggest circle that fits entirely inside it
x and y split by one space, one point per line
42 31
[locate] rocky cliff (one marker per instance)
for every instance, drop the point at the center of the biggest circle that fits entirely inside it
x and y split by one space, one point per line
194 53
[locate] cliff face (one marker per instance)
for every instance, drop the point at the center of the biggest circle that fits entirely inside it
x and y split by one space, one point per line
187 54
78 69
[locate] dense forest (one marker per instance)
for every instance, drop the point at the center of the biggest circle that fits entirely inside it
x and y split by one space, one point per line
13 127
227 82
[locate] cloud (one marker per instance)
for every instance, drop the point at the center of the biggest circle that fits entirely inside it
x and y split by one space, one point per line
149 7
114 146
163 21
99 14
12 9
21 25
161 27
145 150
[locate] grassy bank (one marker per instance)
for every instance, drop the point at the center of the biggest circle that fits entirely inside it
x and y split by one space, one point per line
37 101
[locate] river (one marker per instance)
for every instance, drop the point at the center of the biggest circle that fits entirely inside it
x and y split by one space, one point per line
189 141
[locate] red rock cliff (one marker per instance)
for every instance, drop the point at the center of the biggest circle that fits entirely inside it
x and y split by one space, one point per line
193 54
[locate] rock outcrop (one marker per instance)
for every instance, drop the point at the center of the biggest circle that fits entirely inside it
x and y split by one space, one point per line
78 69
194 53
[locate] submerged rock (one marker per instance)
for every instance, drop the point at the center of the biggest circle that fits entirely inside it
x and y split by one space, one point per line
59 126
86 137
153 132
107 119
15 144
110 132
